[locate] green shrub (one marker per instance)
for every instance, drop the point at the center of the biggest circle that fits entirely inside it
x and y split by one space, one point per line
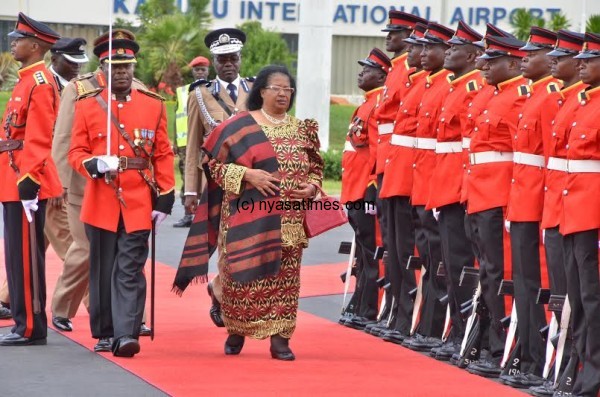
333 164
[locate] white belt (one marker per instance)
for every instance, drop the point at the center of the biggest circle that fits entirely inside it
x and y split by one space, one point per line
557 164
490 157
425 143
466 143
348 147
385 129
448 147
588 166
533 160
403 140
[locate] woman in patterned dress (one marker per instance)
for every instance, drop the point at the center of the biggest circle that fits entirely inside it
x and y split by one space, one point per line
267 306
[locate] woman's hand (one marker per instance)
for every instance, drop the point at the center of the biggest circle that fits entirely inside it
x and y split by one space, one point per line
262 181
304 191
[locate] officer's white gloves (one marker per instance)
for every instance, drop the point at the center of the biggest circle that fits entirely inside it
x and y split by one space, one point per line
436 214
507 225
30 206
370 208
158 217
107 163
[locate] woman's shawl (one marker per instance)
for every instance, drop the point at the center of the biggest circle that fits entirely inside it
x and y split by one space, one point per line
253 242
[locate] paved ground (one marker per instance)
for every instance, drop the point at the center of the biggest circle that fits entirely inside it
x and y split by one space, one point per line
66 368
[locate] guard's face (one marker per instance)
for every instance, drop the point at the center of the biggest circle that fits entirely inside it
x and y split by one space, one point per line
277 94
564 68
414 55
200 72
228 66
369 78
22 48
500 69
122 76
68 70
456 57
589 70
536 64
433 55
394 40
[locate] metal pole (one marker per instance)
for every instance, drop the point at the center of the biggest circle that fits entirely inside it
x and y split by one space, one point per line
109 78
583 15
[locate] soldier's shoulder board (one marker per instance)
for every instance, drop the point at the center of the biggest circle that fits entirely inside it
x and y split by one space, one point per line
40 78
84 76
151 94
553 87
88 93
199 83
250 79
524 89
472 86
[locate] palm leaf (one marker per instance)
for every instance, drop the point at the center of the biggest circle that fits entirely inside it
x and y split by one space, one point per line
593 24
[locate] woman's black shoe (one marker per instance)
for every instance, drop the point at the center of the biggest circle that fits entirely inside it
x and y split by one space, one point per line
234 344
280 349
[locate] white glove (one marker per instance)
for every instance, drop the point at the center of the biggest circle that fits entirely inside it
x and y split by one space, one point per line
158 217
107 163
370 208
436 214
507 225
30 206
543 236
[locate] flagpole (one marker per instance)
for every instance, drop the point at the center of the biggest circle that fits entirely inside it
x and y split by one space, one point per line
109 78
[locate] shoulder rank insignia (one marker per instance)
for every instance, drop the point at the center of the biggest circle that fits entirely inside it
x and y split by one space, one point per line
87 93
472 86
199 82
40 78
524 89
84 76
250 79
151 94
582 96
553 87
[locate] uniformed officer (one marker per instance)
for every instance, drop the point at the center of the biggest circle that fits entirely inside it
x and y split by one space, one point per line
489 183
28 178
446 179
399 28
127 189
208 105
72 284
68 55
358 186
580 222
199 67
524 210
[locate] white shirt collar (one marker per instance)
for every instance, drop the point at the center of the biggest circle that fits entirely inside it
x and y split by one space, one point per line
62 81
235 82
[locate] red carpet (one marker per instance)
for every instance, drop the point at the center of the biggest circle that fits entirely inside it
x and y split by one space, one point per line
186 358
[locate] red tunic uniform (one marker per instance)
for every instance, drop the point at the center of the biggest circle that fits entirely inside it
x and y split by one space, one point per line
357 158
555 148
436 90
581 211
144 117
385 113
29 116
491 147
398 174
446 181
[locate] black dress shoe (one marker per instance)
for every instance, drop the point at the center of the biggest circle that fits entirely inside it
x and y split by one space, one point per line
103 345
544 390
125 346
485 368
5 313
215 309
145 330
63 324
280 349
359 323
186 221
425 344
523 381
234 344
13 339
445 352
394 336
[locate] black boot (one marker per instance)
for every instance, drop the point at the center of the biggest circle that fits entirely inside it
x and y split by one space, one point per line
234 344
280 349
186 221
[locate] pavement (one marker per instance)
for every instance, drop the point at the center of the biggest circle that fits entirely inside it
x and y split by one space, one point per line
63 367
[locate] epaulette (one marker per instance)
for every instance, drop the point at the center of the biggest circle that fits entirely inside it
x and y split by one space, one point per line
472 86
553 87
88 94
84 76
582 96
524 89
251 79
151 94
40 78
199 82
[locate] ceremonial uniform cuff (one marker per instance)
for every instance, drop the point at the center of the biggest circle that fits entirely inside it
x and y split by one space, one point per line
232 181
164 202
28 188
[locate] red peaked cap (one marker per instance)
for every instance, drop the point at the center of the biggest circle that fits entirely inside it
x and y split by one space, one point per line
29 27
377 59
400 20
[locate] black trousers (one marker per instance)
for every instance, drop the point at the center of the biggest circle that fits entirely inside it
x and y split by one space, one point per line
427 237
583 284
117 282
456 254
555 259
19 268
525 250
400 246
487 231
382 218
368 267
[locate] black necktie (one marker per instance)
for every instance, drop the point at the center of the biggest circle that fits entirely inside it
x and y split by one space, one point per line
231 89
